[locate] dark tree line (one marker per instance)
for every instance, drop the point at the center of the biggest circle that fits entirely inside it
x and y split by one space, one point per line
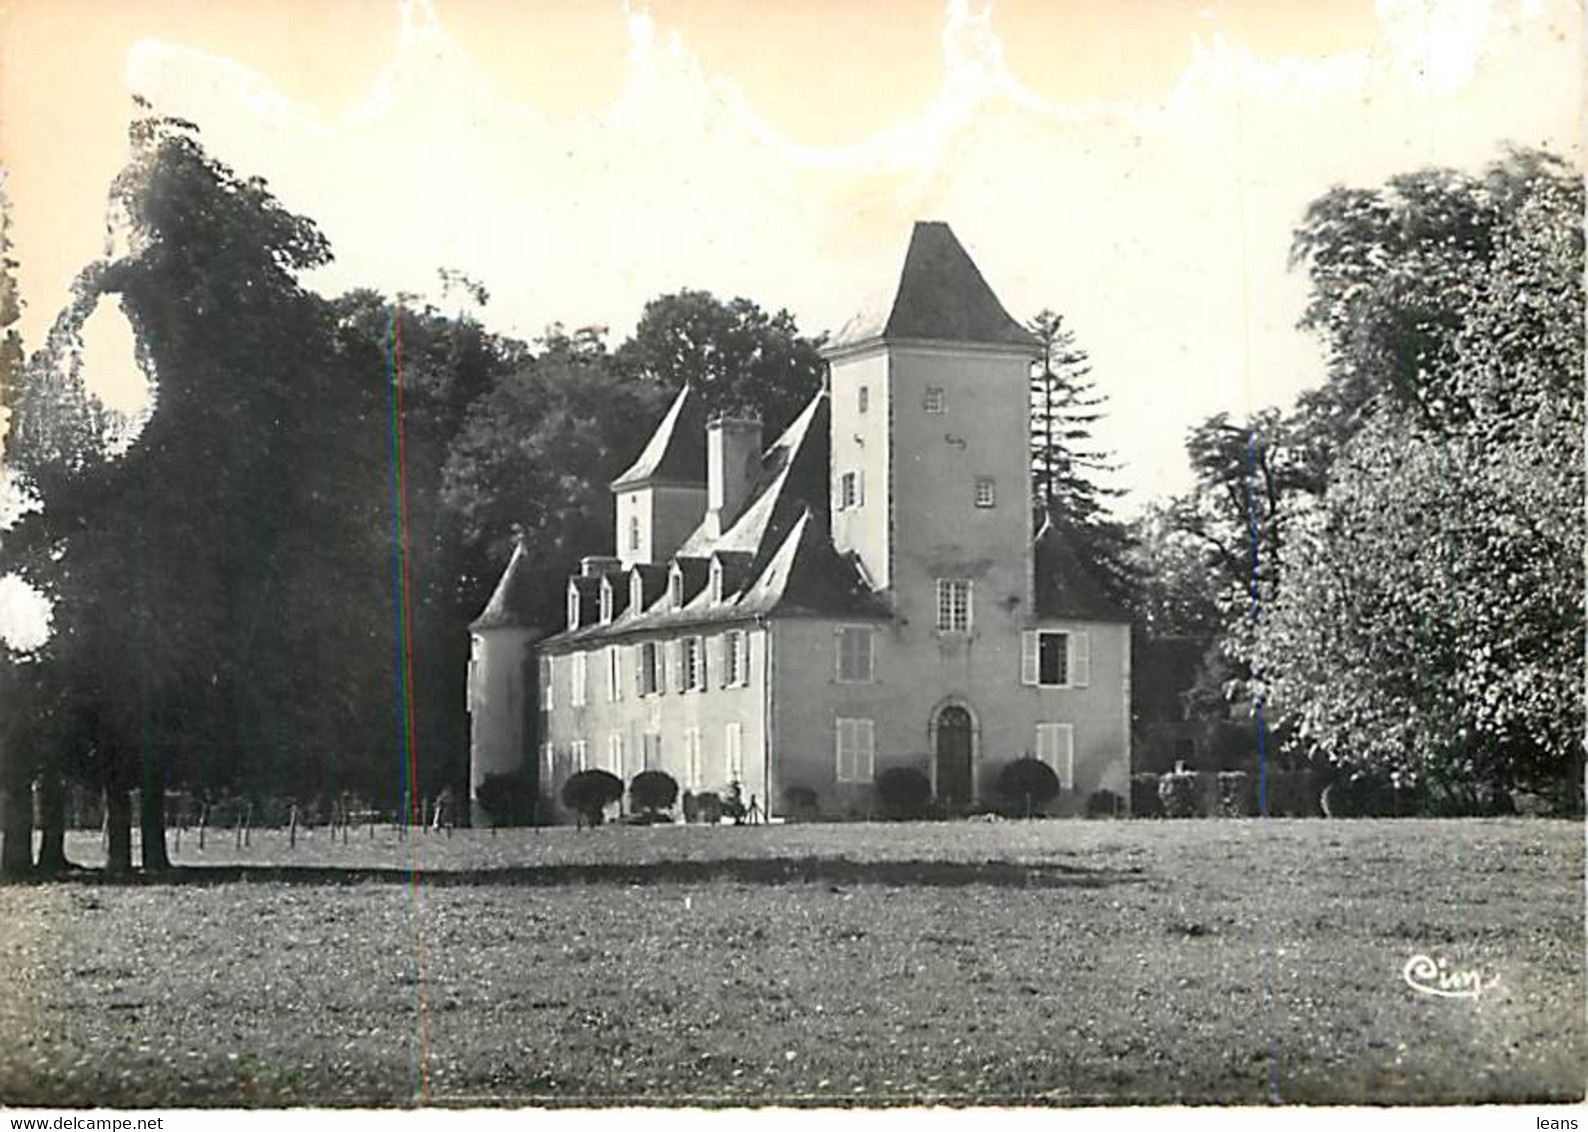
225 583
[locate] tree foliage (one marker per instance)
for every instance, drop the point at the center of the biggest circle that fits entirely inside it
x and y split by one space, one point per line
589 792
653 790
1430 623
1028 781
741 359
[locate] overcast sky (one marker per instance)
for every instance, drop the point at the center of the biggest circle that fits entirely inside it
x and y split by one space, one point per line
1136 166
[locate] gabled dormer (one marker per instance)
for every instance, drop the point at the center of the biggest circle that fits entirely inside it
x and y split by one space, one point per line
583 599
662 496
686 578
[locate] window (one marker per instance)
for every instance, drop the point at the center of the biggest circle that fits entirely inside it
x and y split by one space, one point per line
854 655
636 593
1056 747
849 490
855 750
1051 658
716 581
692 662
863 398
692 758
675 589
615 673
548 765
580 750
546 671
577 679
634 532
953 605
986 491
615 753
573 608
606 601
934 401
735 659
733 751
648 674
653 750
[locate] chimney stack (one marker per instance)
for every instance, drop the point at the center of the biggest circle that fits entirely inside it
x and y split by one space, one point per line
733 459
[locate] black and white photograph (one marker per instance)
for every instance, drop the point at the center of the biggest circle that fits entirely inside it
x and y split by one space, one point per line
750 559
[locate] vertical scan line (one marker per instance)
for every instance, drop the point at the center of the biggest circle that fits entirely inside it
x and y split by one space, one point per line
1254 534
403 603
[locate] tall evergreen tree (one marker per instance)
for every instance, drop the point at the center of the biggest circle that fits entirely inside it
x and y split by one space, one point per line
1069 470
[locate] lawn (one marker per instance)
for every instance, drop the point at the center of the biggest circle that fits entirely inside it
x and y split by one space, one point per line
1057 962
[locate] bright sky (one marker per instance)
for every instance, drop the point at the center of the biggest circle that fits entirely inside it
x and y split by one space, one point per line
1136 166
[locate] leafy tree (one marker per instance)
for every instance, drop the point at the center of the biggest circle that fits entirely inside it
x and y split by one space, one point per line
1029 781
589 792
1179 587
1431 621
1068 468
653 790
741 359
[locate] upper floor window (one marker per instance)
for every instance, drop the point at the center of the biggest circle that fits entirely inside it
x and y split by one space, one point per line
615 673
573 608
675 589
953 605
986 491
692 665
634 532
863 398
855 655
934 401
735 659
648 668
577 679
606 601
848 490
1054 658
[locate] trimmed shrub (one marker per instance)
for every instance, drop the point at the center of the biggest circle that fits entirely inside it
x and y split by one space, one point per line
708 808
1235 794
690 806
590 792
904 792
1104 804
1177 794
802 801
653 790
1144 800
1029 782
508 799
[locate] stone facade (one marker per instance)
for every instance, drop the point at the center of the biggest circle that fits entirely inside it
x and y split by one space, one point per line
864 593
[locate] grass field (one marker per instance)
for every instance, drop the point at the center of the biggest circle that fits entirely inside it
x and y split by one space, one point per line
1042 962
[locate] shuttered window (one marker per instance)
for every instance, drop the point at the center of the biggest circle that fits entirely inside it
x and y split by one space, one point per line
1051 658
733 751
855 654
1056 747
856 750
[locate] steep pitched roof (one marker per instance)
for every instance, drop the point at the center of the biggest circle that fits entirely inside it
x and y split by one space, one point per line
512 602
676 451
941 297
1065 586
806 575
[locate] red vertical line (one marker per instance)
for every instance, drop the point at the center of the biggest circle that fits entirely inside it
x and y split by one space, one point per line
410 775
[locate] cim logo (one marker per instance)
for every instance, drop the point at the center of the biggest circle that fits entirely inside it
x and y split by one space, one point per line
1425 975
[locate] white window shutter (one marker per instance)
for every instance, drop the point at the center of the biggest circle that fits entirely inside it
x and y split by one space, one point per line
1028 658
860 487
1080 660
1067 756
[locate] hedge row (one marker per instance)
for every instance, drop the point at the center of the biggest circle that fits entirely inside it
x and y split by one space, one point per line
1229 794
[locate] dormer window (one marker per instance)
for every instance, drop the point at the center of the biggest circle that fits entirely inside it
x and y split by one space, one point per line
636 593
675 588
573 607
716 581
606 601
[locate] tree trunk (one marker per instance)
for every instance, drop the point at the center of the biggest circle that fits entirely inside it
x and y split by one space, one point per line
16 839
118 827
151 816
52 821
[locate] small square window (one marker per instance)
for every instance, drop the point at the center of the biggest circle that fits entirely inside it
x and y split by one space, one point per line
848 490
986 492
863 399
934 402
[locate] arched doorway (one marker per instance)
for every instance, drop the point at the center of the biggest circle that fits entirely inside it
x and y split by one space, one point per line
955 746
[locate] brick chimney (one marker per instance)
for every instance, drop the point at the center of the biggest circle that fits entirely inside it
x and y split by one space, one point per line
733 459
